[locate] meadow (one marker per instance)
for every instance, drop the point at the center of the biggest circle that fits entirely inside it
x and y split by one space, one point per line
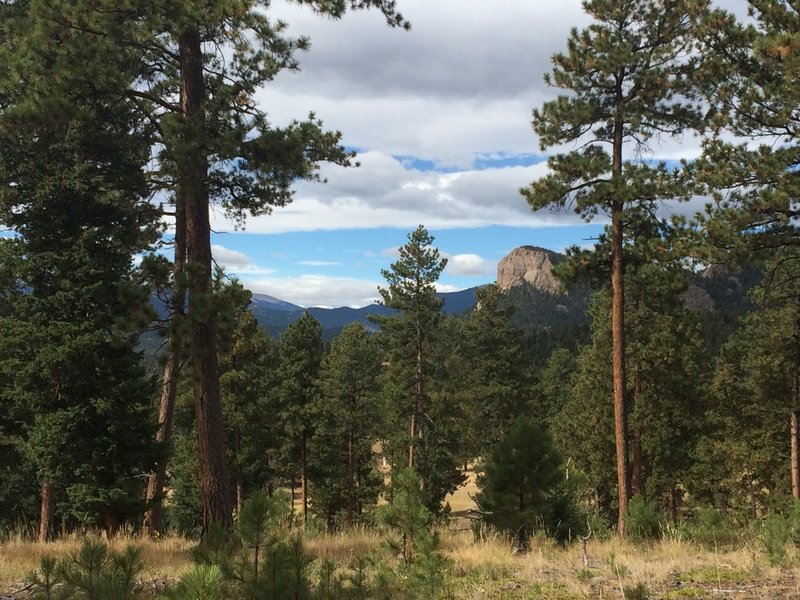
489 568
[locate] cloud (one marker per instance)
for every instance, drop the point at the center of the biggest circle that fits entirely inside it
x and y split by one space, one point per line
235 262
318 263
383 193
468 265
229 258
393 253
316 290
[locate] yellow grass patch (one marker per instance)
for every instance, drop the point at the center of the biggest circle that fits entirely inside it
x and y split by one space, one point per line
165 558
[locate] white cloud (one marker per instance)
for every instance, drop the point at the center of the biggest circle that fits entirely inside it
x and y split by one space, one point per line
229 258
383 193
318 263
393 253
468 265
316 290
235 262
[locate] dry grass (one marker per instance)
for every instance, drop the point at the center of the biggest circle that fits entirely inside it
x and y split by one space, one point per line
166 558
341 547
668 569
490 569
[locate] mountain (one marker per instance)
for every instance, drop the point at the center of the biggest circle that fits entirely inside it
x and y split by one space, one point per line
275 315
548 313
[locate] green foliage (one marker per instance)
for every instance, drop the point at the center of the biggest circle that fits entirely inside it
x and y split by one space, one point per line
76 398
348 418
422 569
201 582
486 379
261 561
300 360
640 591
92 573
523 487
415 371
775 536
712 530
642 521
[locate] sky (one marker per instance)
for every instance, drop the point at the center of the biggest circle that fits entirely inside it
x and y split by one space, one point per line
440 116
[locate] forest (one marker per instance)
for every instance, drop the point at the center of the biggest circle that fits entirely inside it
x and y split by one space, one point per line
123 123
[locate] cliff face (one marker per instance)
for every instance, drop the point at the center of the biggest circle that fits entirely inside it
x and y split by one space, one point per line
534 265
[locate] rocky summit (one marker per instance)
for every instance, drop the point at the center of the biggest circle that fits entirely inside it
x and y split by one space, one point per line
532 265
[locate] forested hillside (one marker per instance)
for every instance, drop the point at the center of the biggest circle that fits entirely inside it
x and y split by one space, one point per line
647 383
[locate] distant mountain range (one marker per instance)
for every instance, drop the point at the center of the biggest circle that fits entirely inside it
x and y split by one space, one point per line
275 315
545 312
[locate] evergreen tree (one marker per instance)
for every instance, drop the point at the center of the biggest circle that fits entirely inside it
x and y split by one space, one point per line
301 352
753 420
191 70
523 486
754 91
629 74
409 337
248 383
665 382
487 371
348 418
73 192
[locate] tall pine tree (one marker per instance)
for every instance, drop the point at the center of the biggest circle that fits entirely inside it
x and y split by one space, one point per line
627 75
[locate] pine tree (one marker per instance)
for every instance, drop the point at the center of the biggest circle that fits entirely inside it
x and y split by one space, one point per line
73 192
191 70
629 74
522 486
301 353
348 418
249 364
487 374
753 418
408 336
754 90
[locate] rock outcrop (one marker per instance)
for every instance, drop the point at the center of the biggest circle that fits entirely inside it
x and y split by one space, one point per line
531 264
697 299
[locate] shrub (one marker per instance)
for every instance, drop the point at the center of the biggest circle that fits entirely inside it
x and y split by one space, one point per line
92 573
523 487
642 521
775 535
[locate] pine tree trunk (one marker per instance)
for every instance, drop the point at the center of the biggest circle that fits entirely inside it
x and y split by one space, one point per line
413 434
169 380
304 478
351 484
418 421
673 505
193 180
618 330
156 480
46 510
795 416
637 458
636 462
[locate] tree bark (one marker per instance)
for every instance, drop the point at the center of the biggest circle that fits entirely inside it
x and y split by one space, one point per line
46 510
156 480
193 180
351 496
618 324
169 381
636 462
304 478
795 416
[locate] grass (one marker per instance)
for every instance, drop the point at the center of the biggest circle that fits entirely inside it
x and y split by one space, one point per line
490 569
166 558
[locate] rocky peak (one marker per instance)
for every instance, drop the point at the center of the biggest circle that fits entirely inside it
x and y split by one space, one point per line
531 264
